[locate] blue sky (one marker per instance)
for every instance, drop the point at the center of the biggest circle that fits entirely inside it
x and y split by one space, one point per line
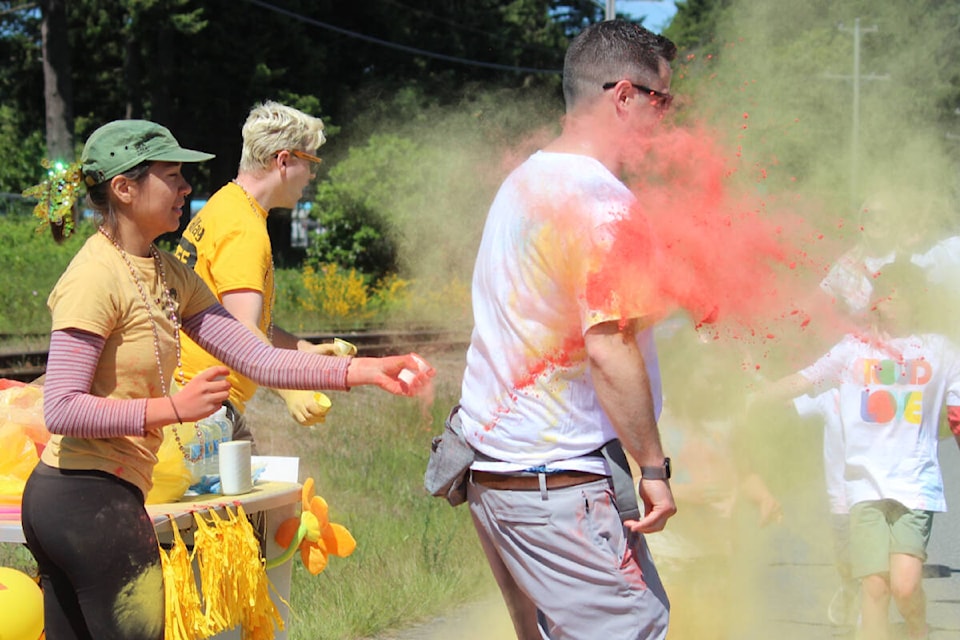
658 12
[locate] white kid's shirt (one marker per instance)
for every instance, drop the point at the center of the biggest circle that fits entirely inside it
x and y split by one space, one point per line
891 395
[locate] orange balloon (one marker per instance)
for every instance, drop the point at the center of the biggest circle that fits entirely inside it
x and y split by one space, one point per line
22 604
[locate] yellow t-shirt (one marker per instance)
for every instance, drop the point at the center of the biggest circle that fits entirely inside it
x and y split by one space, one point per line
97 294
227 244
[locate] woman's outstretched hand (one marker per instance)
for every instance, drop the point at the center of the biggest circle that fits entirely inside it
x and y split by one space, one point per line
406 375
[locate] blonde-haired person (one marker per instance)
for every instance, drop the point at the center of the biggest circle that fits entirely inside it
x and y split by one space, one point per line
227 244
114 353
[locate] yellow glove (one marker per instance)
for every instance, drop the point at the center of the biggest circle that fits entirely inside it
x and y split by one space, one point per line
336 348
307 407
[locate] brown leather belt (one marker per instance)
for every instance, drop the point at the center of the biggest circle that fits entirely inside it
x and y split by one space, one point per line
531 482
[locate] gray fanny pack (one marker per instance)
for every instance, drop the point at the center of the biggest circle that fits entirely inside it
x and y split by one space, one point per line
449 463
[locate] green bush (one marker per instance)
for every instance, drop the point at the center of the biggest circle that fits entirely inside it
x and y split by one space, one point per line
32 263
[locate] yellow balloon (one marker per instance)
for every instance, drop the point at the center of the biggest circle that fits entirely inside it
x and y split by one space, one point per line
22 604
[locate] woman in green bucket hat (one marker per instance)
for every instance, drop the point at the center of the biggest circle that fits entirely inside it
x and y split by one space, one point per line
114 358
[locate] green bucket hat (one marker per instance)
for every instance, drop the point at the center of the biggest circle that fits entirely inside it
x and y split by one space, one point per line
123 144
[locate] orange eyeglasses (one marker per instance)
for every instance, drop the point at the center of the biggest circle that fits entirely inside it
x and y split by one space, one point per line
303 155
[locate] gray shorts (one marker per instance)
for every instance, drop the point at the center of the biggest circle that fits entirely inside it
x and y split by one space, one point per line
569 559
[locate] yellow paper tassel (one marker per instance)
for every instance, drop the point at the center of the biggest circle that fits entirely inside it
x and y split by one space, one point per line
233 579
212 562
184 618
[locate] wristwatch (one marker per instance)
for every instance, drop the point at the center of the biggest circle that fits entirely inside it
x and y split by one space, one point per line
656 473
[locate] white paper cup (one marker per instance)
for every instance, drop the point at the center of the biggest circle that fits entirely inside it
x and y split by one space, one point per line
236 475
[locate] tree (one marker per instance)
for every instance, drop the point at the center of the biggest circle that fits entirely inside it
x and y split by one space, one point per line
694 26
57 80
21 97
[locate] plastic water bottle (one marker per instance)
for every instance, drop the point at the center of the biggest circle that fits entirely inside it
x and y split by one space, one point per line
224 432
195 449
210 465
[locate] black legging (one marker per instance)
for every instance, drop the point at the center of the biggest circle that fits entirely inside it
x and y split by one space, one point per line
97 553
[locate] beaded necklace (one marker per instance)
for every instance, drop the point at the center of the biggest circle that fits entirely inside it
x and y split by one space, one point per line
171 310
255 210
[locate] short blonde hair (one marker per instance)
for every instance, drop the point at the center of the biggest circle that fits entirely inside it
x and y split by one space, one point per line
272 127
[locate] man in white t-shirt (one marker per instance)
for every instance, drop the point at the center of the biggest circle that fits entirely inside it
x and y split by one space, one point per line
557 367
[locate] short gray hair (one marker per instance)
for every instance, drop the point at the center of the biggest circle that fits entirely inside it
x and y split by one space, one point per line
611 51
272 127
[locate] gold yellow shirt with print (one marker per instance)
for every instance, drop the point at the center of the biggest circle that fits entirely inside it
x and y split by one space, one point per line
227 245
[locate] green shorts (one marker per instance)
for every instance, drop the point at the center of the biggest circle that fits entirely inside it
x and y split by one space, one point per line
879 528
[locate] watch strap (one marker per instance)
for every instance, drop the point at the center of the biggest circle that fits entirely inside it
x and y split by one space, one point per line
661 472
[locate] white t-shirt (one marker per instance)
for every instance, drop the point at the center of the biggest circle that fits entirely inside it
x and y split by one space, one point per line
891 395
827 407
527 398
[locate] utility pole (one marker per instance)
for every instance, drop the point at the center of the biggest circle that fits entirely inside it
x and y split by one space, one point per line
856 77
611 11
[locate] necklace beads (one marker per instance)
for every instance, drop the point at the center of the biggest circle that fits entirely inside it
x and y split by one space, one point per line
169 307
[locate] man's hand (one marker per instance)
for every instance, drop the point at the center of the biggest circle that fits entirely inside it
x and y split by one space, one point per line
336 348
307 407
322 349
658 506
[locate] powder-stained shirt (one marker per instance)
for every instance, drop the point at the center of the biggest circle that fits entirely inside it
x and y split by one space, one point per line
527 397
227 244
97 294
891 396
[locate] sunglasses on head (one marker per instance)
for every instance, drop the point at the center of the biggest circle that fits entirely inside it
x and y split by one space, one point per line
659 99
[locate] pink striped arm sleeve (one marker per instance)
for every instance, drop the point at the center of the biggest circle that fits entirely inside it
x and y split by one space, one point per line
228 340
69 409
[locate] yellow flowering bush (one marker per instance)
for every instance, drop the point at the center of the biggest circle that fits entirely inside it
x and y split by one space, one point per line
345 297
391 294
335 292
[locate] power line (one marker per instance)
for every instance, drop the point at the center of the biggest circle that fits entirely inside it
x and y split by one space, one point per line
398 47
463 27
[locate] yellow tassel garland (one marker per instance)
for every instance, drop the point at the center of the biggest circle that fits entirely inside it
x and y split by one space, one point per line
233 578
234 587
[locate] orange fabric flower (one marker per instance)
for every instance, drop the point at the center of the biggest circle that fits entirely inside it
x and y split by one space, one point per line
317 537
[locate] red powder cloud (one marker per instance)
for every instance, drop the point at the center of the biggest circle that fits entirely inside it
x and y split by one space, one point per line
723 250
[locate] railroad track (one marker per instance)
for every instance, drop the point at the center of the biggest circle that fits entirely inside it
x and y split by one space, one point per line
29 364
